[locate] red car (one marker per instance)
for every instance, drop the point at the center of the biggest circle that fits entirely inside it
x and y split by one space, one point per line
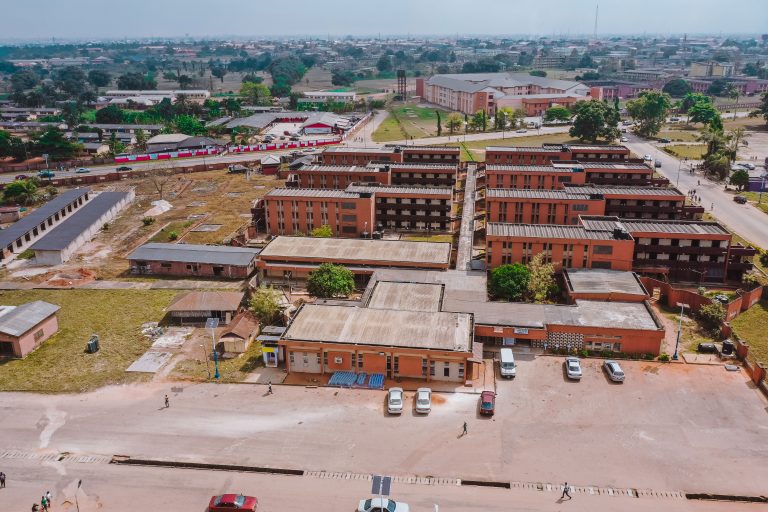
229 502
487 403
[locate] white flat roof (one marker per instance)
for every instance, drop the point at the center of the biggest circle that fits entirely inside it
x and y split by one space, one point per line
406 296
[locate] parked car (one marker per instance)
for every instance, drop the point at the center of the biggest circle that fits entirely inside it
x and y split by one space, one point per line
124 168
615 373
522 130
286 132
229 502
21 177
395 400
657 163
647 157
573 368
740 199
507 366
487 403
382 505
423 400
623 139
45 173
664 140
707 348
294 138
749 166
82 170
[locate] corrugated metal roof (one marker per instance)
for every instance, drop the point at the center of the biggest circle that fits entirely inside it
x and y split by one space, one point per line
74 225
207 301
348 149
37 217
616 166
526 149
401 189
532 168
620 190
338 168
188 253
415 165
546 231
519 193
15 321
310 193
674 227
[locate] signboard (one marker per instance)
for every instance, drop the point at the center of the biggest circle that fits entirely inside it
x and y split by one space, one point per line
521 330
381 485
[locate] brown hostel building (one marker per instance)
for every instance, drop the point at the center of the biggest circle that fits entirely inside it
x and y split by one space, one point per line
520 206
424 174
410 208
547 153
431 154
337 176
641 202
345 155
541 177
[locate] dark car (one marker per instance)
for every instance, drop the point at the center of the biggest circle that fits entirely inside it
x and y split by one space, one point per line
740 199
487 403
45 173
21 177
707 348
227 502
664 140
124 168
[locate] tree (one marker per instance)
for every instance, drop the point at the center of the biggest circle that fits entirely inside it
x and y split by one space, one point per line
160 178
541 282
650 110
538 72
136 82
453 122
712 315
219 72
384 64
740 179
185 81
323 231
342 78
21 191
331 280
509 282
763 109
265 305
479 121
71 113
718 87
691 99
99 78
439 123
53 142
115 146
704 113
557 113
280 89
255 94
677 88
736 136
111 114
594 120
188 125
141 139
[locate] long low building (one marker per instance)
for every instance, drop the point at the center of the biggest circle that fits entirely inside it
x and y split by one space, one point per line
190 260
18 237
287 257
58 246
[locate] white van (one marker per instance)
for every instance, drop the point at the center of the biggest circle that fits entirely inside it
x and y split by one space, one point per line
507 365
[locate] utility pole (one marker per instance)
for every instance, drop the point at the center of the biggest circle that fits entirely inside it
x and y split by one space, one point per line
597 11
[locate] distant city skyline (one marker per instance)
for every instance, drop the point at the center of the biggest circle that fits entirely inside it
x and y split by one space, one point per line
91 19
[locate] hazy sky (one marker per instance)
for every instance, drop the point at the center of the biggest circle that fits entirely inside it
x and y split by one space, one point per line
25 19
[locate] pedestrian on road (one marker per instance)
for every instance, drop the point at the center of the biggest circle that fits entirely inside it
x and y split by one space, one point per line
44 503
566 492
2 480
269 388
713 206
49 497
35 507
465 429
167 403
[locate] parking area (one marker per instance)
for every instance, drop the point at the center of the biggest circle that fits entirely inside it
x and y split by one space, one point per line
278 130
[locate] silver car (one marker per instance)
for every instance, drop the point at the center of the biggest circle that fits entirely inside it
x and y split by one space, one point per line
423 400
395 400
382 505
573 368
615 373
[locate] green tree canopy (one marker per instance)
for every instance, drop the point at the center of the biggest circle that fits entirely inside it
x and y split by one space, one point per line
21 191
712 315
650 110
188 125
331 280
740 179
136 81
509 282
323 231
763 109
538 72
557 113
541 283
677 88
265 305
111 114
255 94
693 98
384 63
706 114
454 122
595 120
53 143
99 78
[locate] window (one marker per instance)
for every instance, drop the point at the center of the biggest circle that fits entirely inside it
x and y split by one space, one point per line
603 249
580 207
432 368
461 370
347 206
446 370
602 264
349 218
39 334
165 265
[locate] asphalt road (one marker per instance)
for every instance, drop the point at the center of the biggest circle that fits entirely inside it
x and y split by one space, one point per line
744 219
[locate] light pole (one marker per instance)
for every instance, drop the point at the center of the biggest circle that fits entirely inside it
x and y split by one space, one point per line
212 324
207 364
762 186
679 328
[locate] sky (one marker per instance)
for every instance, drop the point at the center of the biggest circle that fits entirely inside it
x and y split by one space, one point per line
97 19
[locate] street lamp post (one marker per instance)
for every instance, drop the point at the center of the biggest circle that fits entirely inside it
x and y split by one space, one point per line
762 186
212 324
207 364
679 328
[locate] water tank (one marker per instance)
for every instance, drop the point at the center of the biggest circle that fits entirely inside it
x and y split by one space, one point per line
728 347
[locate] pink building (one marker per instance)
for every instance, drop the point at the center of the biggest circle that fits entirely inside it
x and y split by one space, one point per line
24 328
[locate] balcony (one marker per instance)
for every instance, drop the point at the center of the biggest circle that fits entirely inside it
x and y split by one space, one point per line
738 250
618 209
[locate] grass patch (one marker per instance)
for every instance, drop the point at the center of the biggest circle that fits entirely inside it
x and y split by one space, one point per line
693 332
389 130
408 120
165 234
750 326
428 238
230 370
26 255
754 197
690 151
679 134
61 364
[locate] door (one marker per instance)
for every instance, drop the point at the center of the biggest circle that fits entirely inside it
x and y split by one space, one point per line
309 362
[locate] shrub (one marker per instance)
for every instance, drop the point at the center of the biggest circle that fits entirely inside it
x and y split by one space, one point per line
584 353
105 227
701 290
764 258
664 358
712 315
147 221
173 235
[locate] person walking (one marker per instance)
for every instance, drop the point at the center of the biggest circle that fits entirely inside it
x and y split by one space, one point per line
2 480
269 388
167 402
49 497
566 491
464 432
44 503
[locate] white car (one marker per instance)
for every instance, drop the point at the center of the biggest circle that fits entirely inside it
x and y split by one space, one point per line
624 139
395 400
573 368
382 505
615 373
647 157
423 400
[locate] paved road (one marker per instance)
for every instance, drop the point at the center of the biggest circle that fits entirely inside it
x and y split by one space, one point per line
744 219
112 488
467 230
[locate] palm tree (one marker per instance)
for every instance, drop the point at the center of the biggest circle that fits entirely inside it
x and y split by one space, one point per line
714 139
733 92
737 135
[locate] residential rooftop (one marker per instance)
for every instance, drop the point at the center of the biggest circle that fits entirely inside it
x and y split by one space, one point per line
533 168
547 231
360 188
339 168
382 327
520 193
17 320
191 253
310 192
607 223
601 281
351 149
621 190
404 296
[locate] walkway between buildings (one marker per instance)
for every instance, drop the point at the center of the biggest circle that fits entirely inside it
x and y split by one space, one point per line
160 284
467 231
